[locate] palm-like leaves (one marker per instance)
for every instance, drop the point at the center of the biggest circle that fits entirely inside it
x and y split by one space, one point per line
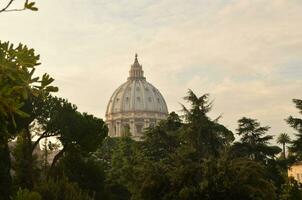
283 139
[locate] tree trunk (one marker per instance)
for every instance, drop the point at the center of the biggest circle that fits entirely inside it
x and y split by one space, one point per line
284 156
5 166
55 160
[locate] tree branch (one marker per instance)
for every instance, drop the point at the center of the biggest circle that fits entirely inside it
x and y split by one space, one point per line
12 10
55 160
6 7
26 6
44 135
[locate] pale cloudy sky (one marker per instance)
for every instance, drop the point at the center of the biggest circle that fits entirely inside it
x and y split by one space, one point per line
246 53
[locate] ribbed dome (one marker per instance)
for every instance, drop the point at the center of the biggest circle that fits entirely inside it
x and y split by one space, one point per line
135 105
136 95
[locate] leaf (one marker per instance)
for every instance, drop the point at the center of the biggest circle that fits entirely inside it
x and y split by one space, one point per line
52 89
30 6
34 9
21 113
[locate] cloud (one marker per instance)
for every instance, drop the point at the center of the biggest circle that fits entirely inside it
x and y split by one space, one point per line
246 54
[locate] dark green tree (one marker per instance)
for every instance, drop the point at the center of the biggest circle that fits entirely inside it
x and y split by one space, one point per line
25 165
121 175
291 190
254 143
61 189
75 130
296 123
81 168
207 136
226 178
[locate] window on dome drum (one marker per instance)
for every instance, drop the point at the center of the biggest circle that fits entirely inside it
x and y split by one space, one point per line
126 130
139 128
127 98
138 99
117 99
158 100
147 89
150 99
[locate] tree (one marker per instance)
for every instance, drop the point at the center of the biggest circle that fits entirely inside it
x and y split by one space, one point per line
229 178
207 136
79 167
283 139
296 123
162 140
61 189
291 190
75 130
25 165
17 83
254 143
121 175
27 195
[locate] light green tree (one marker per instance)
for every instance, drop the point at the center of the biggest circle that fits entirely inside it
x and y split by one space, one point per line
17 84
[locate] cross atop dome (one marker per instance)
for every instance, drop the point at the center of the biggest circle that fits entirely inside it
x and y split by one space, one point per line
136 70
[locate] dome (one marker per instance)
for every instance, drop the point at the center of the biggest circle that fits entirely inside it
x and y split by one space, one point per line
135 105
136 95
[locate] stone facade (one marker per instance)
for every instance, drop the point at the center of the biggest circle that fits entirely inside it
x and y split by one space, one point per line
295 171
135 105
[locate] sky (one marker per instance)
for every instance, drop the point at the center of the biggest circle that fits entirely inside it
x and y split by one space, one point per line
247 54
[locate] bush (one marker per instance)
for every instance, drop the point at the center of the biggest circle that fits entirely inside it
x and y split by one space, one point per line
291 190
61 190
27 195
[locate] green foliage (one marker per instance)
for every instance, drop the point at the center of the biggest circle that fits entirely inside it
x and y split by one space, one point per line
254 143
30 6
296 123
291 190
122 163
207 136
283 139
27 195
85 171
168 164
16 70
17 85
61 190
226 178
25 164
